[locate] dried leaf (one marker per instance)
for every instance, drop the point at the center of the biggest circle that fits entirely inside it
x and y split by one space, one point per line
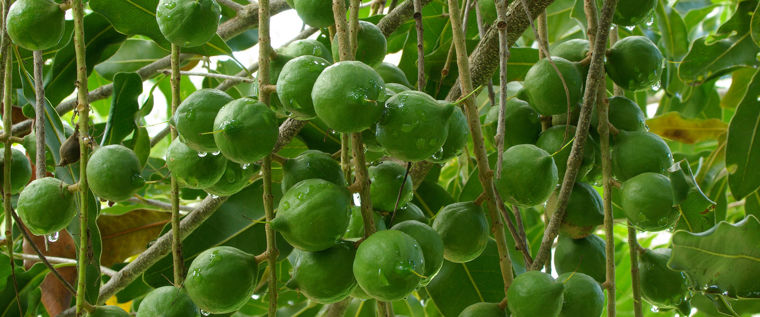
129 234
674 127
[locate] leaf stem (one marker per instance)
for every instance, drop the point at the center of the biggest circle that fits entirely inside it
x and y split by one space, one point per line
177 259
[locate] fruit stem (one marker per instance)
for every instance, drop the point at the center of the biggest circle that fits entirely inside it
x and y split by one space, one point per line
420 45
501 24
345 161
73 187
401 190
177 259
518 236
279 158
484 172
634 247
594 79
39 117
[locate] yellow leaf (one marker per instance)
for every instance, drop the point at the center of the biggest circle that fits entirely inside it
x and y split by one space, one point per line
674 127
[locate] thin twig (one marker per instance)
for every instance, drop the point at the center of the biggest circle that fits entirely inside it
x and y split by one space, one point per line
345 156
520 241
213 75
501 129
420 45
542 34
353 26
635 280
177 259
401 190
39 116
157 203
60 260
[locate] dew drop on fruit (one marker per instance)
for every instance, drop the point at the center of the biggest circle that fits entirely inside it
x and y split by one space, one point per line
205 313
202 154
53 237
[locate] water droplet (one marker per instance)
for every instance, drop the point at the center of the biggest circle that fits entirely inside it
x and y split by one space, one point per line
655 309
202 154
216 153
255 296
213 196
205 313
245 166
53 237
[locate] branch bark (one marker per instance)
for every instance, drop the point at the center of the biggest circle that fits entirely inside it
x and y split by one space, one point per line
177 260
39 117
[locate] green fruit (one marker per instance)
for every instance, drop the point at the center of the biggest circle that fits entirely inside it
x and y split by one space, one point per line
528 175
639 152
553 140
389 265
385 182
307 47
584 211
522 123
35 24
483 309
394 88
359 293
371 44
194 118
313 214
533 294
410 211
325 276
355 227
392 74
188 23
221 279
108 311
21 170
632 12
316 13
488 11
574 50
464 230
414 126
582 297
193 169
168 301
311 164
624 115
545 89
634 63
247 130
459 132
295 83
429 241
114 173
585 255
661 286
234 179
46 206
647 200
346 95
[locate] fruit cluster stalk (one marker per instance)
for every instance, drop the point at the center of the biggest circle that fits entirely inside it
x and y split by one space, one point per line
177 260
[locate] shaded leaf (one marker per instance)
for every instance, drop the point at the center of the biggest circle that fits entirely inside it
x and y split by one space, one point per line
129 234
675 37
28 286
719 267
55 297
752 204
740 80
674 127
694 206
743 147
131 56
121 118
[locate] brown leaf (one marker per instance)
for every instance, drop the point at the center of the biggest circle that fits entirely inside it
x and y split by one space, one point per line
129 234
674 127
55 296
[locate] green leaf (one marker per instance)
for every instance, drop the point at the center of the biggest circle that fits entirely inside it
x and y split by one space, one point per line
431 197
28 286
743 147
752 204
675 37
121 118
459 285
755 25
730 48
131 56
723 260
133 17
740 80
693 204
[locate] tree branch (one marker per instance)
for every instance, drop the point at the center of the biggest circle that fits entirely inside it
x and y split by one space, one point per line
177 259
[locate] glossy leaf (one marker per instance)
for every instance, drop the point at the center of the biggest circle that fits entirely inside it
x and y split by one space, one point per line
723 260
121 118
129 234
740 80
675 37
28 291
674 127
743 147
696 209
131 56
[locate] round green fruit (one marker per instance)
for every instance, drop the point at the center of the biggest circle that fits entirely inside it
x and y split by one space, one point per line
410 211
647 200
414 126
394 88
574 50
634 63
639 152
295 83
661 286
483 309
582 297
108 311
114 173
464 230
311 164
235 178
193 169
545 89
46 206
346 95
583 212
389 265
316 13
35 24
429 241
325 276
392 74
313 214
632 12
385 183
371 44
528 175
307 47
459 132
553 141
194 118
585 255
168 301
21 170
355 227
535 293
624 114
522 123
245 130
188 23
221 279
